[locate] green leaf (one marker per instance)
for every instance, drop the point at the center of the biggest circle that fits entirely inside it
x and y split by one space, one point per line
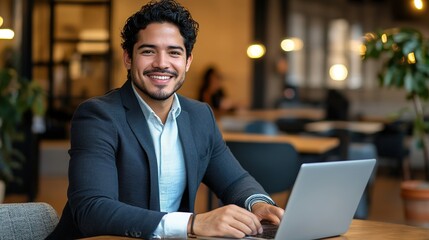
410 46
401 37
424 68
17 96
388 77
409 84
379 46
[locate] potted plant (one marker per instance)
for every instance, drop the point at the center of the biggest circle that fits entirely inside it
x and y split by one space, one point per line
405 56
17 96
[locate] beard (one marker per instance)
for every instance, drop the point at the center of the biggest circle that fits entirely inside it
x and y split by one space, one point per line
159 94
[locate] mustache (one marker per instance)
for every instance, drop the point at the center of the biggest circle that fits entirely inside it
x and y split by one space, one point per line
158 70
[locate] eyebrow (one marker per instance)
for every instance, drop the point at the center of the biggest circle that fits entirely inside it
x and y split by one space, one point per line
154 46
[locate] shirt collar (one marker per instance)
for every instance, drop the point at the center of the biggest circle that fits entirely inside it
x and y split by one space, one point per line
147 110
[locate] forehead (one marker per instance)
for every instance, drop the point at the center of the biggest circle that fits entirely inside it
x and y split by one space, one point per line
160 34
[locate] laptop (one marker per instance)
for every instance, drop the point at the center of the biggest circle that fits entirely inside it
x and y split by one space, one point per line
323 200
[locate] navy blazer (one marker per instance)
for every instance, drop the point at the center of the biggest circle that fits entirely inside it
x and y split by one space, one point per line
113 181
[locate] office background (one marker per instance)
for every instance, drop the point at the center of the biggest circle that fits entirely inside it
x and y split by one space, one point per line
330 32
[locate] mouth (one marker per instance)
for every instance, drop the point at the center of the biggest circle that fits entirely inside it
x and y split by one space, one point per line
160 77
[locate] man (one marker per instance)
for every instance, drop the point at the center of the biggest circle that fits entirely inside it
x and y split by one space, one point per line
139 153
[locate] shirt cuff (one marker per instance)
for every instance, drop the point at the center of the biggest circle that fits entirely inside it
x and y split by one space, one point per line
173 225
255 198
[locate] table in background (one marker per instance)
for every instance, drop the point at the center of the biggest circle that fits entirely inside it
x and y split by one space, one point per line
302 143
359 229
352 126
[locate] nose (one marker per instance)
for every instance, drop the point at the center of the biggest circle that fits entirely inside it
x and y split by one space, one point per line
160 60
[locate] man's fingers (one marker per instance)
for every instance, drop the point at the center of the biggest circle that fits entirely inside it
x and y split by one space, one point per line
228 221
268 212
246 224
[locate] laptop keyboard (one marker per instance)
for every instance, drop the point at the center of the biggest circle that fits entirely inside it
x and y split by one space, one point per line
270 231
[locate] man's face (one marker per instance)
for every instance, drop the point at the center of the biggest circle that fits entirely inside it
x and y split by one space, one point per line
158 65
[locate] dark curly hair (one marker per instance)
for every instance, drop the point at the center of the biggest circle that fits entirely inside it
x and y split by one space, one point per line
159 12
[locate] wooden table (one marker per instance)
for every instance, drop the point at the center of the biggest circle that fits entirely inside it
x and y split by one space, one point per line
360 230
372 230
302 143
352 126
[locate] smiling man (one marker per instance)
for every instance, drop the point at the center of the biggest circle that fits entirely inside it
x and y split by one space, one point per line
139 153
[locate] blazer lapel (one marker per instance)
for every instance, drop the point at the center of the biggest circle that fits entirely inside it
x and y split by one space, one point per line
138 125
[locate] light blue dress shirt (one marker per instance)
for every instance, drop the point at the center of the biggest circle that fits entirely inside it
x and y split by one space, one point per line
171 169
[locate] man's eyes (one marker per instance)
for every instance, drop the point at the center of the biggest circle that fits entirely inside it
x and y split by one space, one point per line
152 52
175 53
147 52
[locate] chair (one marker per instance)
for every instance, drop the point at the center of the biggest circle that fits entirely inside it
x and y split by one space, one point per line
261 127
30 220
337 105
390 143
292 125
274 165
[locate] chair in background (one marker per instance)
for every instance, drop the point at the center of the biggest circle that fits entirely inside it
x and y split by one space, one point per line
337 105
32 220
274 165
390 143
261 127
292 125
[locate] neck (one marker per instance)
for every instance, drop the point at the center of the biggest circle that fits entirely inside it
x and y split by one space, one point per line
160 107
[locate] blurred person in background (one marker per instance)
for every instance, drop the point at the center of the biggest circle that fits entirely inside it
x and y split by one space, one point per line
212 91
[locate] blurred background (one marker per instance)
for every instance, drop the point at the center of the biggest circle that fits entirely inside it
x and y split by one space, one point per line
72 48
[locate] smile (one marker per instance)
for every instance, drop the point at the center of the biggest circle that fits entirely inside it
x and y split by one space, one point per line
158 77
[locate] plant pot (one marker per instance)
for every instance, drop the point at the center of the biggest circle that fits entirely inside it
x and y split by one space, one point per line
2 190
415 196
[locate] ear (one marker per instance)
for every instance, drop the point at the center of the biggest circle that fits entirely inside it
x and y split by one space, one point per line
188 62
127 60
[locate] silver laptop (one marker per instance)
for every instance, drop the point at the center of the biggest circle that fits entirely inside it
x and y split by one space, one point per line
323 200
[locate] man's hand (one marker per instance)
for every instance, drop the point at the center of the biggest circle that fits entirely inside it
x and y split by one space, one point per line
227 221
268 212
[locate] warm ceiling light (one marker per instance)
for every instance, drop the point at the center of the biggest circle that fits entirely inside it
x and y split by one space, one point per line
418 4
369 36
1 21
362 49
338 72
291 44
411 58
6 34
384 38
255 51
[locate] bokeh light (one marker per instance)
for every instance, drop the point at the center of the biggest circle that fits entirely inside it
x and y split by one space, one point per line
338 72
255 51
291 44
6 34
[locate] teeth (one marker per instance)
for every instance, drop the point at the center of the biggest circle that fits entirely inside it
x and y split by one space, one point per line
161 77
